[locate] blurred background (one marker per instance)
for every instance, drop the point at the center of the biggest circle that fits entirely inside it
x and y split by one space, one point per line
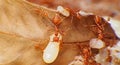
98 7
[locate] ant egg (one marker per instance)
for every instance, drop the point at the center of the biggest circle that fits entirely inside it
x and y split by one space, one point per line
51 51
63 11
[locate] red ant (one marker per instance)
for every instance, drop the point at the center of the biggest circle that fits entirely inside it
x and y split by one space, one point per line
55 40
74 12
100 28
56 21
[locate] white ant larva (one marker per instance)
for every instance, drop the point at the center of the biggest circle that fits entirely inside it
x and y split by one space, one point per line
51 51
97 43
83 13
63 11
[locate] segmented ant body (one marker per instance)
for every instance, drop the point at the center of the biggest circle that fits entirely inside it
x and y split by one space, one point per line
51 51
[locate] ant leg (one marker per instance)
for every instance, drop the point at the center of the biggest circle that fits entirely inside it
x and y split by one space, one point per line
37 46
